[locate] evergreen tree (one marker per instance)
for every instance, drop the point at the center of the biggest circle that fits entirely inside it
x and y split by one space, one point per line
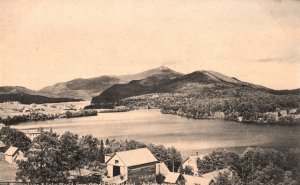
101 152
107 141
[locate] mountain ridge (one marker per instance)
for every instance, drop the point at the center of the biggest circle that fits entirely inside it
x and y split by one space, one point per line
86 88
189 83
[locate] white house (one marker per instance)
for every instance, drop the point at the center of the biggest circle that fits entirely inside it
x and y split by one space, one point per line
191 161
173 178
132 166
293 111
1 125
282 113
205 179
13 154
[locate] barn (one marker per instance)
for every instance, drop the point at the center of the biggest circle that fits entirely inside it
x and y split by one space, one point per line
132 166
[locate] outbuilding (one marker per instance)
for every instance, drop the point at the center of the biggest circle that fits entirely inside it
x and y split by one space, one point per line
13 154
132 166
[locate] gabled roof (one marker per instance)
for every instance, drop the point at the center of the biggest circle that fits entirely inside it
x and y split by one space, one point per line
193 158
212 175
172 177
191 179
11 150
204 179
135 157
162 168
2 144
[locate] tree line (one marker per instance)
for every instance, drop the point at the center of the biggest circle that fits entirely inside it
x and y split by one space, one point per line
253 106
37 116
53 158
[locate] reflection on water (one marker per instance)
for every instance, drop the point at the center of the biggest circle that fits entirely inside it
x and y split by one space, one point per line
187 135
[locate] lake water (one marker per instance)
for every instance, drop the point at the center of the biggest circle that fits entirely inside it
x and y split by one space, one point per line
187 135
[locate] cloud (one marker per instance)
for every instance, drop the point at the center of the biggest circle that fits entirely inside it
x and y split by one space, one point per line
289 59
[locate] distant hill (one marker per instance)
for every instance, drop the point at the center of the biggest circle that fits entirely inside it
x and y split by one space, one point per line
80 88
29 99
15 90
87 88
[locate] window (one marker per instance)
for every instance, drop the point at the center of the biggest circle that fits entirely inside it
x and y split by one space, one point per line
116 161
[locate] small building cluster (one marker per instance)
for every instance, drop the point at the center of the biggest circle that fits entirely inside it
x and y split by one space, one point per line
140 166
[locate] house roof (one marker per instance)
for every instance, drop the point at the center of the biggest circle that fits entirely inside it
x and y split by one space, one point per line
162 168
172 177
11 150
2 144
190 179
205 179
193 158
135 157
214 174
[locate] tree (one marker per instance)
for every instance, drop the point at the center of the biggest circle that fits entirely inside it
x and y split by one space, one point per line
101 152
16 138
218 159
160 178
44 162
107 141
288 179
72 155
187 170
226 178
89 147
170 156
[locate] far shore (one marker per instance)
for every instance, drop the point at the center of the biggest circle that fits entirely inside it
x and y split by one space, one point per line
12 113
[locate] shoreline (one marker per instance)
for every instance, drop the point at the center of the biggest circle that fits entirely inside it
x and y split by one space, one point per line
94 112
255 122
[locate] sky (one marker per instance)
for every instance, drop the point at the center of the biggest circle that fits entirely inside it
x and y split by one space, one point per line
50 41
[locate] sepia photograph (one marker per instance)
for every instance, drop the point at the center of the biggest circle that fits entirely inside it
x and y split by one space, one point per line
150 92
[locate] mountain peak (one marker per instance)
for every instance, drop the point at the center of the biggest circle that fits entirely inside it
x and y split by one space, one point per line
162 68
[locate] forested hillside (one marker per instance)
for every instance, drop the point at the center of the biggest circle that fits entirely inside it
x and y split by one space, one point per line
29 99
205 94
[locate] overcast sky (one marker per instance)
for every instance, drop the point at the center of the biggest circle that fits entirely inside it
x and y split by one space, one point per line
50 41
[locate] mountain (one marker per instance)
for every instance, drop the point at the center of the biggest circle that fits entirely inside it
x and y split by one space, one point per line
29 99
199 95
162 70
87 88
15 90
80 88
191 83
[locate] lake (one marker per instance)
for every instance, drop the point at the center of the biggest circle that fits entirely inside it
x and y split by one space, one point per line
187 135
